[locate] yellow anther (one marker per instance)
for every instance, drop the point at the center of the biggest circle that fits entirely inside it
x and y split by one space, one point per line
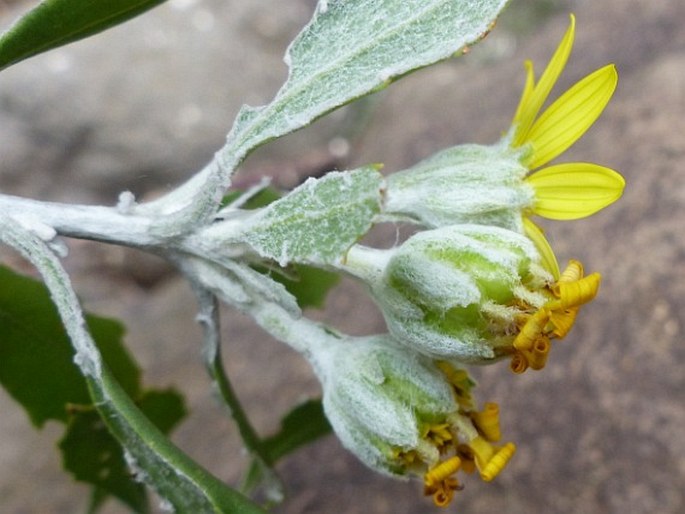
574 294
460 381
487 422
531 331
498 462
518 363
562 321
443 496
555 319
439 435
490 459
407 457
440 483
442 471
537 356
573 272
455 376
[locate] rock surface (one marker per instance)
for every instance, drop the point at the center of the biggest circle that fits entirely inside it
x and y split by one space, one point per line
600 430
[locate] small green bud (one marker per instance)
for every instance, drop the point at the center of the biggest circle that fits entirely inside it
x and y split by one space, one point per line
402 413
463 184
378 396
458 292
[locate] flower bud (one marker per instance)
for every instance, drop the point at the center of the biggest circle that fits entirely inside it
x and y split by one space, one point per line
457 292
463 184
404 414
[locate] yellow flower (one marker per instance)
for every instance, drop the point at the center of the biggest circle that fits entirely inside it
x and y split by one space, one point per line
554 319
506 183
572 190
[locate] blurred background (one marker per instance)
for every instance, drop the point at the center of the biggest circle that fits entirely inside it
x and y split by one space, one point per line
142 106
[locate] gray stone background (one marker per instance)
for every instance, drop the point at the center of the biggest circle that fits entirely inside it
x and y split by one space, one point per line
142 106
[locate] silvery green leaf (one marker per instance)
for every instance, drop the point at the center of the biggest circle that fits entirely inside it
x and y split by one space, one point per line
352 48
349 49
317 222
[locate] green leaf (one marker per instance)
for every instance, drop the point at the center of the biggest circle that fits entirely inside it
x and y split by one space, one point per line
54 23
309 285
261 199
36 358
183 483
302 425
176 477
350 49
318 221
94 456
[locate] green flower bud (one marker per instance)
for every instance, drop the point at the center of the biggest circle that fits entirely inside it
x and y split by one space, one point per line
378 396
403 414
460 292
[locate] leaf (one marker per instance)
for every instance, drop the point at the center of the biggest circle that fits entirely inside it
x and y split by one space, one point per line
318 221
37 367
309 285
184 484
94 456
350 49
261 199
54 23
36 358
302 425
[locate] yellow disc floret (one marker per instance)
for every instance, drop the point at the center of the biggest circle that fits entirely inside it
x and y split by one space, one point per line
554 319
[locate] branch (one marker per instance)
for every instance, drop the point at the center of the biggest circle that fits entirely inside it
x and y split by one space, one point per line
175 476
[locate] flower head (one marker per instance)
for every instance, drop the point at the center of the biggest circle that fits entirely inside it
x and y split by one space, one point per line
404 414
477 293
504 184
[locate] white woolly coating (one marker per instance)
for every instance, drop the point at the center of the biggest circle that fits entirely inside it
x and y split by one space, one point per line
463 184
437 283
467 347
435 271
429 262
374 393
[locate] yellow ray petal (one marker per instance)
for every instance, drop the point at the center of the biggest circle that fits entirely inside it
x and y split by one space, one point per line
537 97
567 119
549 260
527 91
574 190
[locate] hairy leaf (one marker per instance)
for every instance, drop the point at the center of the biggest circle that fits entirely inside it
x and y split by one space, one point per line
54 23
94 456
317 222
352 48
182 482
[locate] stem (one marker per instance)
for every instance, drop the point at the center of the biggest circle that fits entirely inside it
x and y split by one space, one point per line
106 224
175 476
209 318
365 263
210 321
